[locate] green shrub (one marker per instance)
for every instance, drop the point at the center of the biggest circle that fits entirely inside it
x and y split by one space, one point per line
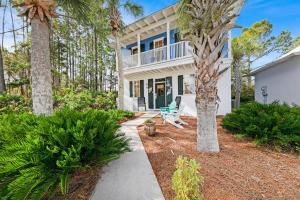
106 101
52 148
84 100
15 126
186 180
10 103
275 124
120 114
80 101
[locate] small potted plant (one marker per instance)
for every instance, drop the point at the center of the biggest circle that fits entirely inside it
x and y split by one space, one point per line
150 127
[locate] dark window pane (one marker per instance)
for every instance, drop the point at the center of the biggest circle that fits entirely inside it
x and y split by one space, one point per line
180 85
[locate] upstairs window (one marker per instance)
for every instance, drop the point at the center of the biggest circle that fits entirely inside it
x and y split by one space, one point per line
134 50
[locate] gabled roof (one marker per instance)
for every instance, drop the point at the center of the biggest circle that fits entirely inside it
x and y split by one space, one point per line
147 24
294 52
170 9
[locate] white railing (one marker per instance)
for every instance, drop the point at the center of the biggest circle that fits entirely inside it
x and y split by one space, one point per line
154 56
130 61
177 50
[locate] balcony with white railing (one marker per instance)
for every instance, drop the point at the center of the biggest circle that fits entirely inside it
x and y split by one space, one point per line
130 61
158 55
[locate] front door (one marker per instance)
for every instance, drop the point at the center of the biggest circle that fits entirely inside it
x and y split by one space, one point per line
160 91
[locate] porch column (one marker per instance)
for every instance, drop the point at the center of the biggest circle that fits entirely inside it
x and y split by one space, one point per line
139 49
168 41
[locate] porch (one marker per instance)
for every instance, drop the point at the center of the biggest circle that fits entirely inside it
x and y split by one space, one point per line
162 54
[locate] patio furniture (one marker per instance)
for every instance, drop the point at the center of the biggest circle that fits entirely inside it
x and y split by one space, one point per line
172 115
141 103
178 101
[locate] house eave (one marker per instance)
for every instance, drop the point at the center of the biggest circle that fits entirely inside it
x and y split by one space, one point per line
273 63
149 25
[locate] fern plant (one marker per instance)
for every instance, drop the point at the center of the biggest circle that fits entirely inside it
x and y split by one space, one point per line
186 180
53 148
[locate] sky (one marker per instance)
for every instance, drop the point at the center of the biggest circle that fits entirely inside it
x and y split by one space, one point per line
283 14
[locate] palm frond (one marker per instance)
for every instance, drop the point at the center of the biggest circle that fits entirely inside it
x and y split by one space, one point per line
79 8
132 8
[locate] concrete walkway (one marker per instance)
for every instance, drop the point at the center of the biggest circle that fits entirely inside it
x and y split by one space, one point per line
131 177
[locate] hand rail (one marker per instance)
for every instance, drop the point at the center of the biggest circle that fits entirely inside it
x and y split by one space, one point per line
154 55
177 50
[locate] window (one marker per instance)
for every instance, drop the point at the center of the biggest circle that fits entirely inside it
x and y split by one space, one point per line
134 50
130 88
177 37
158 43
189 85
137 89
180 85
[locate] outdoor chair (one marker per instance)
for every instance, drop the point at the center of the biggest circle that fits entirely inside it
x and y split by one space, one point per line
178 101
172 115
141 103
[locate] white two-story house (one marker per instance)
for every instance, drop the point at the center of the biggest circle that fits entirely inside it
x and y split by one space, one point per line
159 66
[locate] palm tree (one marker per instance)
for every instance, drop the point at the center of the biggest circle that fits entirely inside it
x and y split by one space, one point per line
40 14
114 9
206 23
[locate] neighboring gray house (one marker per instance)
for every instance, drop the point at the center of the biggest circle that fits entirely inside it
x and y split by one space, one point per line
279 80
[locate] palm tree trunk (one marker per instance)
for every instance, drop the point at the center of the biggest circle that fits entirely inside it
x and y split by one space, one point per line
207 140
120 73
206 103
41 68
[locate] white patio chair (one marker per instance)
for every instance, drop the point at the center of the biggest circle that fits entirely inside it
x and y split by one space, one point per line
173 117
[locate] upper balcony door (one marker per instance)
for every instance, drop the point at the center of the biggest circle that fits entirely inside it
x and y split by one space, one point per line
158 43
157 54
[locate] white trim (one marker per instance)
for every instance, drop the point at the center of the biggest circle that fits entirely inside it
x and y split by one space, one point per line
295 52
164 64
147 28
168 41
139 48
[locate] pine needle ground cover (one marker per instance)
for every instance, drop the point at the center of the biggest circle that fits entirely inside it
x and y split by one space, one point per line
38 155
276 125
241 171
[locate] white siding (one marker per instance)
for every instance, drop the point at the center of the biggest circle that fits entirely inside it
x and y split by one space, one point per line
282 82
188 101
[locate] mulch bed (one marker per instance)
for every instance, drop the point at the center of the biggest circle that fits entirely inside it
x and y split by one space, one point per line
82 184
240 171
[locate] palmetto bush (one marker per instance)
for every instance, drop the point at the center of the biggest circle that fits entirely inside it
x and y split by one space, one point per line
12 103
275 124
50 149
